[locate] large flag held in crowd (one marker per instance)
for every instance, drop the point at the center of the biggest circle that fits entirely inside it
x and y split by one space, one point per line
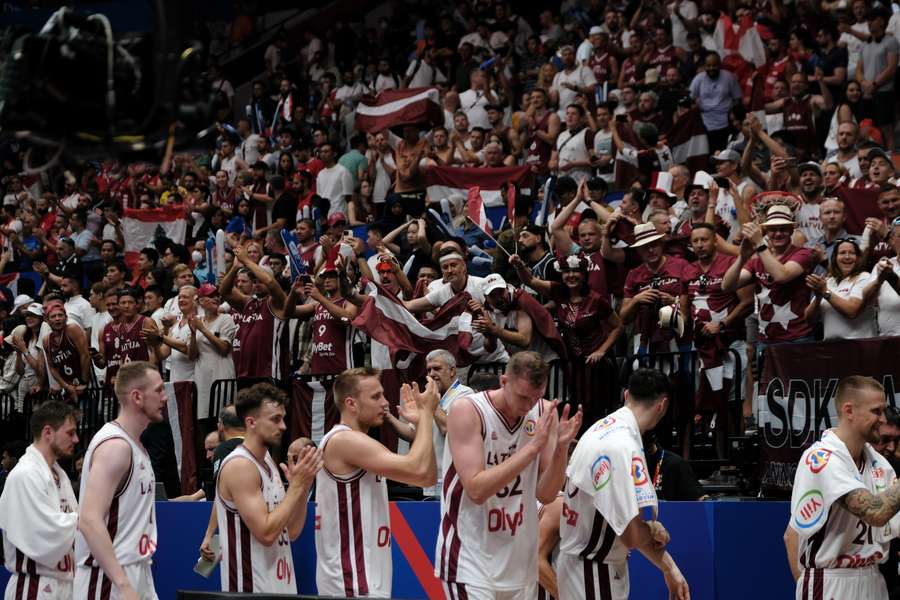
384 318
142 226
399 107
443 181
687 139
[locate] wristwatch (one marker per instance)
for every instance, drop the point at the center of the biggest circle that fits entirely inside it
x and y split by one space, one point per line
761 247
827 295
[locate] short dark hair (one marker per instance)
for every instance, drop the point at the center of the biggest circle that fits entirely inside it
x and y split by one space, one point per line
251 399
892 416
151 254
15 448
52 413
376 228
131 291
155 289
229 419
647 386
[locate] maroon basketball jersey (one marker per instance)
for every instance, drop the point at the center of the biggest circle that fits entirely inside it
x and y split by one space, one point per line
332 342
260 345
63 355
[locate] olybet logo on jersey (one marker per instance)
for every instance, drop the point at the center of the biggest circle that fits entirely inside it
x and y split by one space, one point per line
601 472
810 509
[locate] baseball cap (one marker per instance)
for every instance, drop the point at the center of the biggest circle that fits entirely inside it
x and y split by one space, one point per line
336 218
595 30
22 300
876 152
492 282
810 166
35 309
730 155
206 290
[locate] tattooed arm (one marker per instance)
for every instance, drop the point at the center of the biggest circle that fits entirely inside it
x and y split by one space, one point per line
873 509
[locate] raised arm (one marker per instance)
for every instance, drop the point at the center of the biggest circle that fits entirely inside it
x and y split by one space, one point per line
234 297
541 286
276 294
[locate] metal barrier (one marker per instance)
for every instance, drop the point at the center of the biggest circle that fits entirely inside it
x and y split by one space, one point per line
223 392
99 405
557 385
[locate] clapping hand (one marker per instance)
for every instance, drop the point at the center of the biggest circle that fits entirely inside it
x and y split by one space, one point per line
568 427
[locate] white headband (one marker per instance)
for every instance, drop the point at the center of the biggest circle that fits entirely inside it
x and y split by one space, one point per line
451 256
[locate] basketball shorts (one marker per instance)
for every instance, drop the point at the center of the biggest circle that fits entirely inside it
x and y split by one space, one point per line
837 584
37 587
91 583
578 579
464 591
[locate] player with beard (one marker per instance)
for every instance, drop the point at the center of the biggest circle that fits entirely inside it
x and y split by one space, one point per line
257 517
844 502
130 337
718 322
67 353
117 527
38 511
351 489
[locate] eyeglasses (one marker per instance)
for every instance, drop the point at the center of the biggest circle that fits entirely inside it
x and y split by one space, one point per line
847 240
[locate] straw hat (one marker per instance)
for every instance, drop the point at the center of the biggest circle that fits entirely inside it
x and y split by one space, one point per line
644 234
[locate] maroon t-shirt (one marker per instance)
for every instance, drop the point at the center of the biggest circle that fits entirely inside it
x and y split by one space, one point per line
122 343
597 278
708 302
332 342
63 355
668 279
581 325
260 346
782 305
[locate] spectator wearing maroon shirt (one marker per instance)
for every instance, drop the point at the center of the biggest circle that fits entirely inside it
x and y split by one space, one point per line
589 326
650 286
779 269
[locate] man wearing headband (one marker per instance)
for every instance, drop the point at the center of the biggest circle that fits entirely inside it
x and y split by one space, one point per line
66 349
780 269
456 279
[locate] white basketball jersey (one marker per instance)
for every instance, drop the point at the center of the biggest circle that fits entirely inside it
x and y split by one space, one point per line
584 532
353 532
248 565
131 521
493 545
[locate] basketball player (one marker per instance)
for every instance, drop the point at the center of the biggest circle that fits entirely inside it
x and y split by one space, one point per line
66 348
132 337
117 528
607 487
38 512
260 344
505 450
844 502
258 519
353 533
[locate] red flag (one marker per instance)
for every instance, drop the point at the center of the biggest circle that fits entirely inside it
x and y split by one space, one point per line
858 204
399 107
510 202
475 211
542 320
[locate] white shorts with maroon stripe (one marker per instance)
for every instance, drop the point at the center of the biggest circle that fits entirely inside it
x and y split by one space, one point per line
37 587
579 579
825 584
91 583
464 591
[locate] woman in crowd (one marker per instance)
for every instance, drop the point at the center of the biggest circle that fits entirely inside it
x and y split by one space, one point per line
29 361
361 211
589 326
209 345
841 298
176 333
886 278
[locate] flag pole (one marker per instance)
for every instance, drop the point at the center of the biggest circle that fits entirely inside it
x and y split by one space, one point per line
490 237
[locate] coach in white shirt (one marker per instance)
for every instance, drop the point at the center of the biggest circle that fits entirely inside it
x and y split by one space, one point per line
334 182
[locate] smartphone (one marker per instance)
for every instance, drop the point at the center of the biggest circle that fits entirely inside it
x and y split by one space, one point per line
622 118
790 162
722 182
348 234
306 279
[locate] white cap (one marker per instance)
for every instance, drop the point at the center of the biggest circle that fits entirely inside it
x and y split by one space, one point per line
670 318
492 282
35 309
595 30
22 300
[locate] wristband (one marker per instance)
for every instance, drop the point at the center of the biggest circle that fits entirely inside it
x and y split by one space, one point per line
761 247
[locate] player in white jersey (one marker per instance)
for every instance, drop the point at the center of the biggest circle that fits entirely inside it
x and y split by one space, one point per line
844 502
607 486
38 511
353 533
505 449
117 525
257 518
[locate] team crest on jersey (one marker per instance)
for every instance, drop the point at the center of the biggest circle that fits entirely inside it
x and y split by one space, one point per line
530 426
817 459
810 509
605 423
638 471
601 472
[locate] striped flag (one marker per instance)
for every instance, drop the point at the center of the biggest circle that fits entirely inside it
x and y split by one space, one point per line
399 107
475 211
687 139
143 225
443 181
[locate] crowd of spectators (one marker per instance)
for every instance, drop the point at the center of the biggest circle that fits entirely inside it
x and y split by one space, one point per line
746 249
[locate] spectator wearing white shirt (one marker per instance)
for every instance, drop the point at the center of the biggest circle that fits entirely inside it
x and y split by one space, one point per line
474 99
572 80
247 150
886 276
334 182
386 78
78 309
218 83
841 299
422 72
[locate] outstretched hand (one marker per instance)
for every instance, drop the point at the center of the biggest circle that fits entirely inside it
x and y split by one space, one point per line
568 427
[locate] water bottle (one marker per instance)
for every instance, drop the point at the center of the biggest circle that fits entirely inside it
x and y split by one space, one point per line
488 63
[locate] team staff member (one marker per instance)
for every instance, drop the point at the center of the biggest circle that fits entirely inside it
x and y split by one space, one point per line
608 486
260 518
844 502
506 450
38 511
353 531
117 527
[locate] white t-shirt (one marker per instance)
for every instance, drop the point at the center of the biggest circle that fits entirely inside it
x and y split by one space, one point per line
580 76
80 312
837 326
439 293
385 82
854 46
889 306
335 184
679 32
473 103
181 367
425 75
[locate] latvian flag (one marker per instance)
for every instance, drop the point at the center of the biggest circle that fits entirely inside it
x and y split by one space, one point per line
142 226
475 211
687 139
443 181
384 318
399 107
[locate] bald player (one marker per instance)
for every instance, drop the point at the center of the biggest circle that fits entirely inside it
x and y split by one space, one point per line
38 511
117 528
844 502
353 533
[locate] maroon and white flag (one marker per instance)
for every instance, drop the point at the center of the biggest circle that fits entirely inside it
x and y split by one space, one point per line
687 139
399 107
475 211
142 225
384 318
443 181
